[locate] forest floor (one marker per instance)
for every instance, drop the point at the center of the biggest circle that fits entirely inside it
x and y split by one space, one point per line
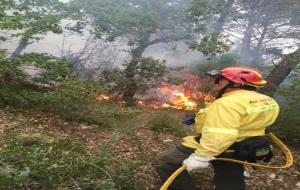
141 144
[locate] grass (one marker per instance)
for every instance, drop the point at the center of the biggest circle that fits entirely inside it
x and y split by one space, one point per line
39 161
44 151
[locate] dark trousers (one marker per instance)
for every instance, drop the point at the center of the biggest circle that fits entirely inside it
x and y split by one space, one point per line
228 176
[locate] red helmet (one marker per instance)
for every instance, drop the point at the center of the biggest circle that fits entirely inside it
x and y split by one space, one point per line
241 75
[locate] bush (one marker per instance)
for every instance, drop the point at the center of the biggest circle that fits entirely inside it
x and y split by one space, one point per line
165 123
9 69
72 94
148 73
73 100
287 125
20 96
51 69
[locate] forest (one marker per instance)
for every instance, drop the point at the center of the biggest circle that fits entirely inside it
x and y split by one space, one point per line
92 91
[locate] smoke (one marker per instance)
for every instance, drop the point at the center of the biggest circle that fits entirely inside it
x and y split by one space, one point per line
176 54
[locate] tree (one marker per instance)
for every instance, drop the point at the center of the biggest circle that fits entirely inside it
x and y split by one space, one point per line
210 18
9 21
263 23
29 20
95 57
149 72
281 71
267 23
142 22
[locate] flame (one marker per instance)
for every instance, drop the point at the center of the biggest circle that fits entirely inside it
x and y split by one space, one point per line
170 97
184 96
103 97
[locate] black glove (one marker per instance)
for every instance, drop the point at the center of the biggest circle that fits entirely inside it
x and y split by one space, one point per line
189 121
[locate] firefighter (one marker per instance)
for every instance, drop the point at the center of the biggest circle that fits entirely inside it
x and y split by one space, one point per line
233 126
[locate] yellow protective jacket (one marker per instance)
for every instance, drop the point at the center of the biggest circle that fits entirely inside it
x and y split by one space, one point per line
235 116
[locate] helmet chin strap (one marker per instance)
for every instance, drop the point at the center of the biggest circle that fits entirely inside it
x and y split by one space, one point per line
234 85
229 85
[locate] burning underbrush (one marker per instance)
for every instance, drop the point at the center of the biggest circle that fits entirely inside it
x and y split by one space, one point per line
186 94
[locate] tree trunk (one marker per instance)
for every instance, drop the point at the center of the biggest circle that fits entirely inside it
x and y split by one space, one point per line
257 51
22 45
245 49
130 70
280 72
219 26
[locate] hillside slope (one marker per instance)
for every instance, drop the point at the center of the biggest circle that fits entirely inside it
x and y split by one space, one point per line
42 151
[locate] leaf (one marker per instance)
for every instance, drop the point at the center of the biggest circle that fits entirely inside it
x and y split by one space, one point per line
25 172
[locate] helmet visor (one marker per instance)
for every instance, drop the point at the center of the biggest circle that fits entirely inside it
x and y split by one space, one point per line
216 74
213 73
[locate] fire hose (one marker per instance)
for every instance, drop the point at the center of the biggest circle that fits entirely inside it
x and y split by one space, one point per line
287 152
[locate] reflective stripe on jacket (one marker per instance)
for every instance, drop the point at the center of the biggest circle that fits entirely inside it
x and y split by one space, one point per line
238 115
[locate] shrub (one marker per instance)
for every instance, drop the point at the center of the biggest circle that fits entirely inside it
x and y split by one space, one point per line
287 125
72 94
165 123
20 96
148 73
51 69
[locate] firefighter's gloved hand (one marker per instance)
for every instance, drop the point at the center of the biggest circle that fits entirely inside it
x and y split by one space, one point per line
189 121
194 162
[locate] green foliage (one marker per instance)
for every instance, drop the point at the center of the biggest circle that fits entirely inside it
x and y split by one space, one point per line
165 123
15 91
72 100
9 68
49 91
32 163
136 21
52 69
253 19
20 89
133 19
74 91
35 17
18 95
124 179
47 166
149 72
287 125
214 63
204 11
213 44
210 17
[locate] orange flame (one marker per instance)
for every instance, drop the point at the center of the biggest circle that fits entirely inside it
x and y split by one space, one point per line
103 97
184 96
168 96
